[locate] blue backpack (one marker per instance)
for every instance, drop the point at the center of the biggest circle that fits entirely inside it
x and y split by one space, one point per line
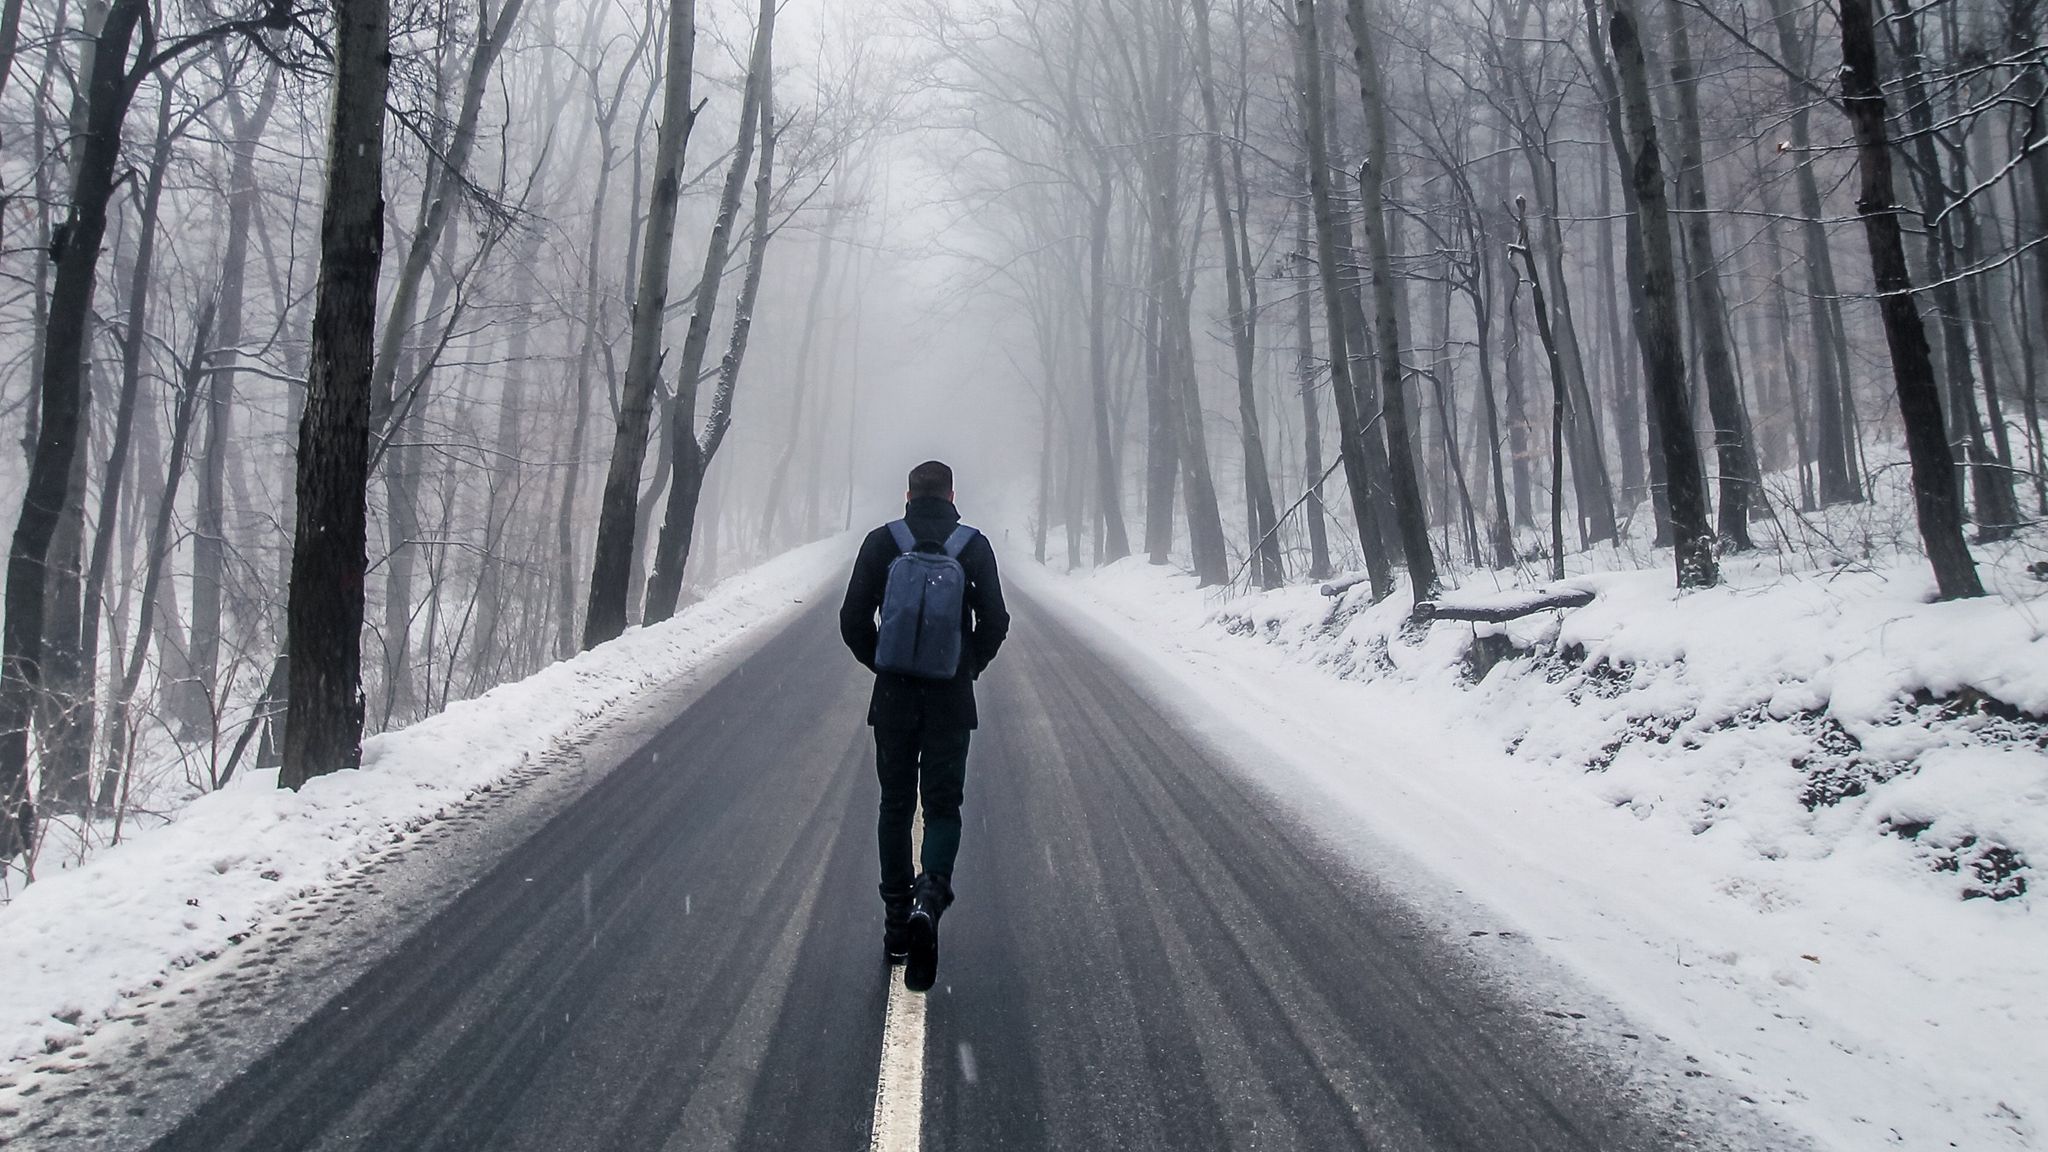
922 606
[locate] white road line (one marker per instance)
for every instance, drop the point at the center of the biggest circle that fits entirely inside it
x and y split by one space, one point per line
899 1091
899 1084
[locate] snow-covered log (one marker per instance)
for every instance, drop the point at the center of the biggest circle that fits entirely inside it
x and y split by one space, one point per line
1495 607
1343 584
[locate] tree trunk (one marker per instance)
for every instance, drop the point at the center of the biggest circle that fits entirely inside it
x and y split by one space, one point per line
1558 403
113 483
1408 506
1934 491
1311 412
613 557
672 548
1242 319
1658 331
1351 428
1835 458
1739 473
60 430
324 720
1108 474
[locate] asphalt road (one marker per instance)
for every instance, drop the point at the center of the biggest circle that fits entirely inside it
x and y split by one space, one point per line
1146 953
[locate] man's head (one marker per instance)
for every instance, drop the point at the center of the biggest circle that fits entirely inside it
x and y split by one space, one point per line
930 479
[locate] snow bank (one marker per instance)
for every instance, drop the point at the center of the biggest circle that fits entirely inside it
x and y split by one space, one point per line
77 942
1760 818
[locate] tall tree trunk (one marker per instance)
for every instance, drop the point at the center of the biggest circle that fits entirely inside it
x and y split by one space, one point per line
1558 391
1934 490
66 702
1242 319
672 548
1162 439
1632 237
1305 380
70 764
613 557
1501 532
1108 474
1351 429
1658 331
61 410
324 720
1408 506
1628 417
1740 476
1835 457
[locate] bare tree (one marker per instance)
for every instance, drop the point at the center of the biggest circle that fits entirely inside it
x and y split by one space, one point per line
324 620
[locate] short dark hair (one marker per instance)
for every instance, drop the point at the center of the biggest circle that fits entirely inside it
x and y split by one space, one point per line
931 478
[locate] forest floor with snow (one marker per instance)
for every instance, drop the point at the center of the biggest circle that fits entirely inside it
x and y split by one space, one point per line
1796 822
92 943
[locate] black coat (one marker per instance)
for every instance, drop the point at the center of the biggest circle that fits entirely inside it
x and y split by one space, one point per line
906 701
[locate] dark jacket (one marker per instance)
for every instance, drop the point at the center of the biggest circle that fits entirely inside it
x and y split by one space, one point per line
905 701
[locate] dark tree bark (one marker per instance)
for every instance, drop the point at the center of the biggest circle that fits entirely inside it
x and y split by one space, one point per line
1558 391
613 559
1242 305
324 720
1632 235
72 762
60 429
1408 506
1658 331
1351 428
1934 490
672 548
1840 480
1740 477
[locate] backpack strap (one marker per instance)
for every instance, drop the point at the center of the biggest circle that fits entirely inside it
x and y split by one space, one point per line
905 541
958 541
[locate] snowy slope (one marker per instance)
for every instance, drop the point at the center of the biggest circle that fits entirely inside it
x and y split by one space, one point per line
77 942
1790 823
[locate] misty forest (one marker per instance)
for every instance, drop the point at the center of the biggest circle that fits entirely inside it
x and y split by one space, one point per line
357 361
1523 532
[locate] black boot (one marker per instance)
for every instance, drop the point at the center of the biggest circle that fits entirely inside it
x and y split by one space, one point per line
933 894
896 905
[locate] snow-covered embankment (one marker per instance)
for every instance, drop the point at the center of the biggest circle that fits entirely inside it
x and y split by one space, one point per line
76 943
1794 823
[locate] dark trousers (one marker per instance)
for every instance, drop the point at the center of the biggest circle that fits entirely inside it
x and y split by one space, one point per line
919 762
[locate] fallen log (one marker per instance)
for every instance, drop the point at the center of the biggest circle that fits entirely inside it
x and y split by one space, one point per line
1500 607
1344 584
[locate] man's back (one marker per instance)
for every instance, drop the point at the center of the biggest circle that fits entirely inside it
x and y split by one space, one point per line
922 726
906 701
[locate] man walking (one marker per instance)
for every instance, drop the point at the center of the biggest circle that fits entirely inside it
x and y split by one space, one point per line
924 612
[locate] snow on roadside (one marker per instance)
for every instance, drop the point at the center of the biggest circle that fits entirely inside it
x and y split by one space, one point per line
77 942
1727 811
